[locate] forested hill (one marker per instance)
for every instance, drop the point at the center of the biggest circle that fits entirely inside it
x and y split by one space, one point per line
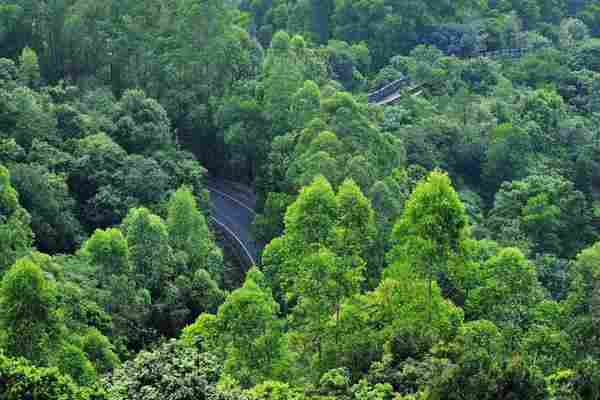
443 246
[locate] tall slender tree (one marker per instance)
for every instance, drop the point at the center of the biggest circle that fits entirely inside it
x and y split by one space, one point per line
29 312
431 229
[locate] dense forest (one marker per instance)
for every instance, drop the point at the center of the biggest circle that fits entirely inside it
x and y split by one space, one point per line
444 246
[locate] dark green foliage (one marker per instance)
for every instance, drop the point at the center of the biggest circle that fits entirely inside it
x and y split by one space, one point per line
141 124
46 197
547 210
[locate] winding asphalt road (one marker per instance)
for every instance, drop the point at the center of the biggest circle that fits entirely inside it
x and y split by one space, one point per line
233 212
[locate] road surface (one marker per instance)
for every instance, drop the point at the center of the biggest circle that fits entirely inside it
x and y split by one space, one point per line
233 212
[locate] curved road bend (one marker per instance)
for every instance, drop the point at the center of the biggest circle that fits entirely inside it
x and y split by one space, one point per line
233 211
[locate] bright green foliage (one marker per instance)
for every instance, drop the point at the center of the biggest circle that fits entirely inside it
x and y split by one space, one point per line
388 197
26 116
540 215
274 390
188 231
29 69
99 351
323 282
478 347
15 234
394 319
310 165
434 221
467 273
275 258
150 253
306 103
432 228
284 77
20 380
501 163
109 252
403 302
319 264
72 361
349 63
379 391
337 142
334 382
583 301
288 99
480 368
113 111
28 312
310 219
547 109
508 293
547 210
356 220
546 349
249 333
203 332
198 262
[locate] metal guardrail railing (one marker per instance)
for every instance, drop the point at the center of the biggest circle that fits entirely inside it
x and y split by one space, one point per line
387 90
385 95
247 250
236 239
517 52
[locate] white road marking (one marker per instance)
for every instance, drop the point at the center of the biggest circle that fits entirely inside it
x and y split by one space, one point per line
236 238
231 198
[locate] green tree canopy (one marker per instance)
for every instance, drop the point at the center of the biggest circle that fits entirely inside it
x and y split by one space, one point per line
29 312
